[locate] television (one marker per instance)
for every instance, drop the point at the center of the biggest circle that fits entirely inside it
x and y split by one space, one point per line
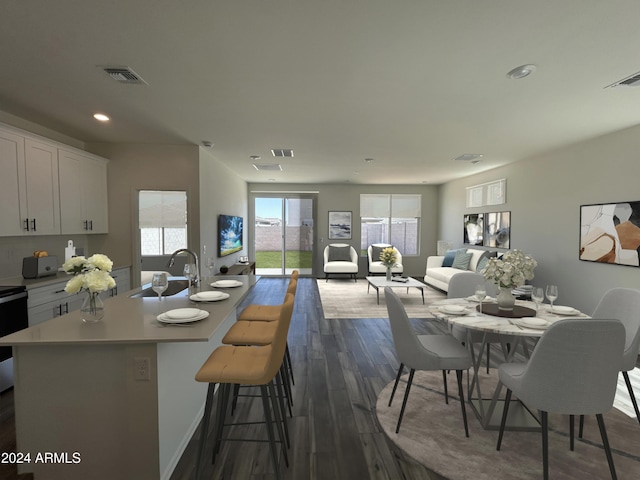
229 234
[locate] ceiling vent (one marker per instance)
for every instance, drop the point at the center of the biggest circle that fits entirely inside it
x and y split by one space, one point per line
630 81
282 152
468 157
124 75
267 167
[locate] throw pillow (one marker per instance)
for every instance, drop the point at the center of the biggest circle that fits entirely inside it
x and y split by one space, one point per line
461 261
339 254
376 250
449 257
482 263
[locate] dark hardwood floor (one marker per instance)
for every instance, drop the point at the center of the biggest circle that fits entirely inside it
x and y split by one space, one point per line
339 368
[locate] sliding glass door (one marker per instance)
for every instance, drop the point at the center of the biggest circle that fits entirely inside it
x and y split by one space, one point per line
283 233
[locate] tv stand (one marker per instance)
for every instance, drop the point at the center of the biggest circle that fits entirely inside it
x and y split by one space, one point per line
241 269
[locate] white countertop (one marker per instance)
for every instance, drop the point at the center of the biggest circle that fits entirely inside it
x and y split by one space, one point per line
133 320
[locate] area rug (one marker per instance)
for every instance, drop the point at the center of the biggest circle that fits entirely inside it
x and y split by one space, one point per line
343 298
432 433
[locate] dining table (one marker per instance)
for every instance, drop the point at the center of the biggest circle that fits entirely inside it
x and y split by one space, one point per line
519 329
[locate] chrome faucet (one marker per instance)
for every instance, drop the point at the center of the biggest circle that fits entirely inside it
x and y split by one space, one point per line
196 280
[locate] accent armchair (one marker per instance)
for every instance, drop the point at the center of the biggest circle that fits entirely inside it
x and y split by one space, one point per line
340 258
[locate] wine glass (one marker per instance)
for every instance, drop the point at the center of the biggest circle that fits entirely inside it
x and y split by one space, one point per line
210 263
537 295
159 284
190 272
552 293
480 294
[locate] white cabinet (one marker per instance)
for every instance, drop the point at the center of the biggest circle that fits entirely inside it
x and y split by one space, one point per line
42 215
122 276
12 183
28 186
83 193
50 301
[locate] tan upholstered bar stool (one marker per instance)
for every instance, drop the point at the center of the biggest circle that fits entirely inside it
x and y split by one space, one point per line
268 313
260 333
246 365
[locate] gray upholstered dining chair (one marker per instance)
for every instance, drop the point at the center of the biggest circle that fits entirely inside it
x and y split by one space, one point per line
423 352
572 371
463 285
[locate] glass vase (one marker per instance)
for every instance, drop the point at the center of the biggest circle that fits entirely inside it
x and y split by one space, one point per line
92 309
388 274
505 299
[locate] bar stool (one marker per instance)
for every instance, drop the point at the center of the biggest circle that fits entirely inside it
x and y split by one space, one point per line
246 365
259 333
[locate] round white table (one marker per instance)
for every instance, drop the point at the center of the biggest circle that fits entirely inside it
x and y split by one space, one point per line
518 329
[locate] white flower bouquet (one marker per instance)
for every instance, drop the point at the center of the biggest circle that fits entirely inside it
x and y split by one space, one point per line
91 274
512 270
388 257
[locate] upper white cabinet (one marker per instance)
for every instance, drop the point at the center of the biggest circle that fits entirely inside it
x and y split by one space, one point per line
47 189
28 186
12 183
83 193
42 216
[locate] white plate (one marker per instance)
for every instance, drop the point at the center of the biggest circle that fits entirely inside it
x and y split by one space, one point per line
532 322
454 309
164 319
180 313
213 296
226 284
561 310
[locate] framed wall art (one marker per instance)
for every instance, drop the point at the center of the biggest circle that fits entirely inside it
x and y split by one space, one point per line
610 233
497 229
339 225
474 229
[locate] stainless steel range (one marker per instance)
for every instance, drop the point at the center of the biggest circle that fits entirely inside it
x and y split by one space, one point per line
13 317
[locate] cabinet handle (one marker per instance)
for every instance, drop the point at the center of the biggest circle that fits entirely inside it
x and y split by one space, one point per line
59 309
85 225
59 291
90 224
26 224
33 224
66 307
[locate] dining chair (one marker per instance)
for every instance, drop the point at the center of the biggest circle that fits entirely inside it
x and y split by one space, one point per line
572 371
463 285
423 352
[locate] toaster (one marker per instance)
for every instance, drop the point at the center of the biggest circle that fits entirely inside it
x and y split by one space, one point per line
36 267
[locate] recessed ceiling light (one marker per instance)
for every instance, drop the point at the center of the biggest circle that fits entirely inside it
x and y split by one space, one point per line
255 157
521 72
207 143
368 160
101 117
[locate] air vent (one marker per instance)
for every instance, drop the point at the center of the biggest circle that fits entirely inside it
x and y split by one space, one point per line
124 75
630 81
468 157
282 152
267 167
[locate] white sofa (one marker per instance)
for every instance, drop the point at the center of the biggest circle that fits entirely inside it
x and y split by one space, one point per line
438 276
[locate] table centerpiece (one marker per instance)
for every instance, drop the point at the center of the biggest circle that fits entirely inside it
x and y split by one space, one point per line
509 271
389 259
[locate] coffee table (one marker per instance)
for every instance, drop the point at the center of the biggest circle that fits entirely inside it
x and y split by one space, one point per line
381 282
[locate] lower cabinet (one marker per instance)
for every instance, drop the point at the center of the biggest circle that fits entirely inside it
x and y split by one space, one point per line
50 301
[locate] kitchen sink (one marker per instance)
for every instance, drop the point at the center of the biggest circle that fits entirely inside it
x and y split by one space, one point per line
175 286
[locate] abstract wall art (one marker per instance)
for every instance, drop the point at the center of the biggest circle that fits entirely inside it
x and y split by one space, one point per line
474 229
497 229
339 225
610 233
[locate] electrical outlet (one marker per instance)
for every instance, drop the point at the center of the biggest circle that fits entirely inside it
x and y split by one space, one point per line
141 367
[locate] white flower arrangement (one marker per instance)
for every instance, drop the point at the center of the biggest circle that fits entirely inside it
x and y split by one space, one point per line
91 274
512 270
388 257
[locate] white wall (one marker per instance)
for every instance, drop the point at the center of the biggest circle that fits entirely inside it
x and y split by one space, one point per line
544 195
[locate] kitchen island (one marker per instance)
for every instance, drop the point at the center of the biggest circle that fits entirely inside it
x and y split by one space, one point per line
117 398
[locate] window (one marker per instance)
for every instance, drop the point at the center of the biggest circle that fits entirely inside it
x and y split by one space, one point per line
394 219
162 221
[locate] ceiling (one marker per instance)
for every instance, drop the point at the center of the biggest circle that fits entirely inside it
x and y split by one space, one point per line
411 84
